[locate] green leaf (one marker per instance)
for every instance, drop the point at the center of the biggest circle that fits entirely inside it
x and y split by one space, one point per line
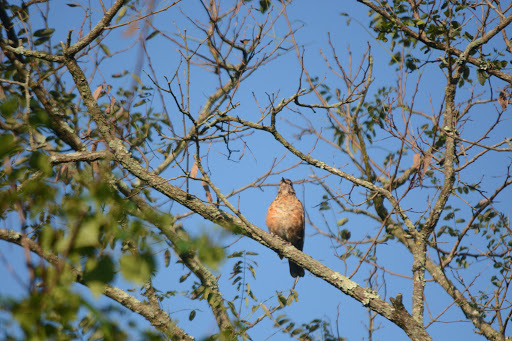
99 270
345 234
8 145
210 254
467 36
167 257
45 32
88 234
98 273
482 76
121 13
40 161
139 103
184 277
8 107
152 35
105 49
41 41
137 268
282 299
137 79
236 254
40 118
342 221
264 5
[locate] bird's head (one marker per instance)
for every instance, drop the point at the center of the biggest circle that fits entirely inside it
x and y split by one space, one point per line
286 187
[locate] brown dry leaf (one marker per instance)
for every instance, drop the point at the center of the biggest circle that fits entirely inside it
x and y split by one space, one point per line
503 100
426 164
109 87
416 160
207 191
2 94
130 31
95 168
111 106
137 79
193 171
62 173
120 114
8 166
97 92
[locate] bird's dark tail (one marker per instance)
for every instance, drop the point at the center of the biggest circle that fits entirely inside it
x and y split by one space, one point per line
295 270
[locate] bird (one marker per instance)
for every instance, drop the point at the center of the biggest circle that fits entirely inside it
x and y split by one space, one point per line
285 218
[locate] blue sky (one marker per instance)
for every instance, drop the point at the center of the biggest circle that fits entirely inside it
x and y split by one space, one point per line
317 299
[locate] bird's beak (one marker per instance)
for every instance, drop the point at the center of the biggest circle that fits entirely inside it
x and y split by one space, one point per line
282 179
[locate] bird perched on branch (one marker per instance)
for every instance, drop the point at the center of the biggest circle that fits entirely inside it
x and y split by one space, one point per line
285 218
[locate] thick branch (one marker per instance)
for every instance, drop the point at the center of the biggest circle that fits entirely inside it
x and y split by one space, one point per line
156 317
322 165
97 30
178 237
422 36
123 156
217 216
471 313
80 156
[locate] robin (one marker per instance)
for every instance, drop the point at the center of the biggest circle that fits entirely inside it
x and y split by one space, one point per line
285 218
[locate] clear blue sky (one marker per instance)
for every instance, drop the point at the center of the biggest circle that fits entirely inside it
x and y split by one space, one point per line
317 299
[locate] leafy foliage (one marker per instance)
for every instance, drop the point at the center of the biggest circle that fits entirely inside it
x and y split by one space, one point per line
115 176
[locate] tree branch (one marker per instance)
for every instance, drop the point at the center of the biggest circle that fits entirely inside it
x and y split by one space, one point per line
156 317
443 47
217 216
